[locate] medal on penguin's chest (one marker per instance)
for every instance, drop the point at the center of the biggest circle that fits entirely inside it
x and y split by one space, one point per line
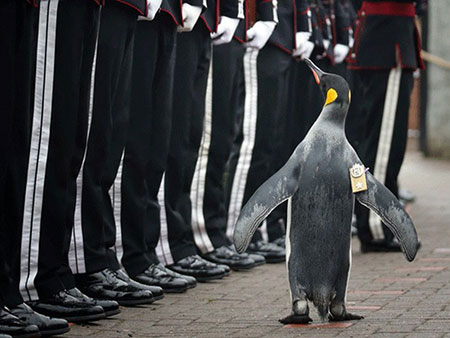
358 178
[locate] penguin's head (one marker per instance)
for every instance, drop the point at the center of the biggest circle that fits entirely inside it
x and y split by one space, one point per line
334 87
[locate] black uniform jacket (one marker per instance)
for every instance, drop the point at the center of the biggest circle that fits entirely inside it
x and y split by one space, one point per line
210 15
266 10
35 3
173 8
293 16
217 8
139 5
386 33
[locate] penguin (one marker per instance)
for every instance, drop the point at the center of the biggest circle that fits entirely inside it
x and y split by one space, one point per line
317 182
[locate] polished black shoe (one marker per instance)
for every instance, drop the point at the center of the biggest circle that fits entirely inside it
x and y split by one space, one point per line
110 307
156 291
63 305
199 268
157 274
47 326
259 260
380 246
106 286
191 281
226 255
10 325
271 252
280 241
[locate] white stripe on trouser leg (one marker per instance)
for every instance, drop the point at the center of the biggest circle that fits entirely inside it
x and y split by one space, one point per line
40 135
264 232
385 141
76 252
288 238
163 247
249 132
197 191
115 194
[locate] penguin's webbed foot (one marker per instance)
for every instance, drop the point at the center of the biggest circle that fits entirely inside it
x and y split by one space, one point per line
345 316
295 319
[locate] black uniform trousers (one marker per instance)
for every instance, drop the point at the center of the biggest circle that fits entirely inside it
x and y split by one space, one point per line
192 64
273 66
107 135
374 86
17 131
148 141
228 79
8 36
40 178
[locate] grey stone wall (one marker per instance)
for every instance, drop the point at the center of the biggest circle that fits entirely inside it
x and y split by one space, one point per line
438 107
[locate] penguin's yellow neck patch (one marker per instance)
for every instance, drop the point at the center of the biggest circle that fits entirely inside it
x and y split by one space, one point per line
349 96
331 96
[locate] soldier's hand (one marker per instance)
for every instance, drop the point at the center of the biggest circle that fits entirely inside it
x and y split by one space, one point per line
259 34
304 46
340 52
225 31
190 17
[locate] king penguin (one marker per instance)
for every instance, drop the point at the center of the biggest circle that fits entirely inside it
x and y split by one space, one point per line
317 182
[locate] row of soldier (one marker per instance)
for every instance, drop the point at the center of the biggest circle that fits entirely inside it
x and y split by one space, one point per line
134 131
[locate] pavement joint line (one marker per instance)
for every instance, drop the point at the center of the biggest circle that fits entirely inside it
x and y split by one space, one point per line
422 268
403 279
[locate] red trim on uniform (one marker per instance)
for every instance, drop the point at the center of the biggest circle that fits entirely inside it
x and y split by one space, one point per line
132 6
246 21
264 1
206 24
388 8
181 14
217 15
282 48
239 39
304 12
294 7
172 16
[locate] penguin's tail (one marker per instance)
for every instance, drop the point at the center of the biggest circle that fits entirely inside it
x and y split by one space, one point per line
321 299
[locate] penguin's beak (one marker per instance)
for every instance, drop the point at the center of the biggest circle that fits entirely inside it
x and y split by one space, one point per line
317 72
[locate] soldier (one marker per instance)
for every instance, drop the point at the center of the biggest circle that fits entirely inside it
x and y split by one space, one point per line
191 76
57 106
272 103
12 16
385 54
147 147
209 202
97 268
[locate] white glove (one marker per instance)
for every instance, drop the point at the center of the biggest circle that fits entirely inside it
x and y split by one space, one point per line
259 34
190 17
153 8
340 52
326 44
351 40
225 30
304 46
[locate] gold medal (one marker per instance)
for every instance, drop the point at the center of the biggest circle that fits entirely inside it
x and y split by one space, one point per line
358 178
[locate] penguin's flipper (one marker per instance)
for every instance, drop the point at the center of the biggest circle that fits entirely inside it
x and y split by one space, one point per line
277 189
381 201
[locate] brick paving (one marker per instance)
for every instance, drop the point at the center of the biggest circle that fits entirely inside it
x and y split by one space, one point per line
397 298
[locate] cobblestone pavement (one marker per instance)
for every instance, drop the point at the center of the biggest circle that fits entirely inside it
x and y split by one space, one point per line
397 298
